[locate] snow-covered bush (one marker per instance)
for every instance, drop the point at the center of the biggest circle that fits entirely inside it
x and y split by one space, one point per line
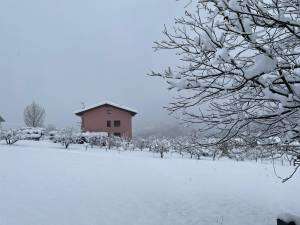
140 143
67 136
161 146
225 148
52 135
32 133
114 142
95 138
198 152
10 136
181 145
186 146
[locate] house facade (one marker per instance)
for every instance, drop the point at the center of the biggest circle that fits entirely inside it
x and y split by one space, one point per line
107 117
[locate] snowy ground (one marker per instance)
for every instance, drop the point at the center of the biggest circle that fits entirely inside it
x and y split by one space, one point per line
43 184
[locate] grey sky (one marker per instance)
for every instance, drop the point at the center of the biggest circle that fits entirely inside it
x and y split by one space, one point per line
61 53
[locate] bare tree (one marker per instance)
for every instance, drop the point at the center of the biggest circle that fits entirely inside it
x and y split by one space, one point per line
34 115
240 67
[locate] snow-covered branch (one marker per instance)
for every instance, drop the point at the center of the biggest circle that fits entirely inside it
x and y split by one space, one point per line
240 67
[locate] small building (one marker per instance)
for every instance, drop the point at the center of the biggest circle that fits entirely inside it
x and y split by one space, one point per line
107 117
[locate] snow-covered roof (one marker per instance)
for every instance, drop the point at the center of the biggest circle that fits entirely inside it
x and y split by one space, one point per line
80 111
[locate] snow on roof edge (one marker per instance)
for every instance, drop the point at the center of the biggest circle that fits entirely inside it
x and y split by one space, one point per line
105 103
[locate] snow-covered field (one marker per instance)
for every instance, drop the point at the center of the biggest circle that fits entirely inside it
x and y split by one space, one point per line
43 184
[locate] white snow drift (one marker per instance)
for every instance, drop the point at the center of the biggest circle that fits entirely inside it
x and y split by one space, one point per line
43 184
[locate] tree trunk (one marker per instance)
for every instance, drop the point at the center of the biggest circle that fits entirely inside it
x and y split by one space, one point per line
162 155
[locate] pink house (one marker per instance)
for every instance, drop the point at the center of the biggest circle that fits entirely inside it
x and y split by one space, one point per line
107 117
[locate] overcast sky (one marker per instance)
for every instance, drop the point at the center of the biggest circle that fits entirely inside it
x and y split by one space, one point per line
64 52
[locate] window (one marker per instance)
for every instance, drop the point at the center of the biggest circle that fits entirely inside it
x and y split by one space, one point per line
108 111
117 123
108 123
117 134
